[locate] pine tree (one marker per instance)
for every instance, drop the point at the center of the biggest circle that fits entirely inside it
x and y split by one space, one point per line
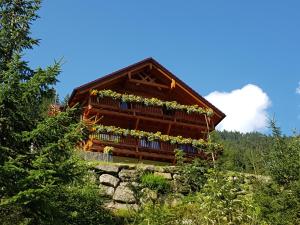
39 170
284 158
279 199
22 89
34 177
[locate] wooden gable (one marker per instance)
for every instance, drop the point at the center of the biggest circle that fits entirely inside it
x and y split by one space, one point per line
146 78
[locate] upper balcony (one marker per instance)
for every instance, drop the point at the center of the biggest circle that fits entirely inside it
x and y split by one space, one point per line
150 109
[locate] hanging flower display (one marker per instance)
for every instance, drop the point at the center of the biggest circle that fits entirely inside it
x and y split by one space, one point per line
172 105
197 143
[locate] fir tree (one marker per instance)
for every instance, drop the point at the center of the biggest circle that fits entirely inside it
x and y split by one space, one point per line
38 164
22 89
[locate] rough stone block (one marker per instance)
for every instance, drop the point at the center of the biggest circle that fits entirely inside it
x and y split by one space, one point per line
148 168
116 205
168 176
109 180
170 169
127 166
124 194
177 177
108 168
147 195
128 175
108 191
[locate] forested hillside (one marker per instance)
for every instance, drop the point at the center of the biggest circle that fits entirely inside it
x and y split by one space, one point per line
44 181
244 152
255 181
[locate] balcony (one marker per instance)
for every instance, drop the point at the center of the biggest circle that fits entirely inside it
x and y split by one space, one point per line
157 113
142 148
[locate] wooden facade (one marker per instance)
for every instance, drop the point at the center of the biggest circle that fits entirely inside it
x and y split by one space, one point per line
147 79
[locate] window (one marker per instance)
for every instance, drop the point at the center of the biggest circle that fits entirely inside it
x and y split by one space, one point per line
168 112
144 143
188 149
125 105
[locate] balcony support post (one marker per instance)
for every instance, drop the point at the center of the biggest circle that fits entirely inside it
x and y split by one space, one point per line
207 125
137 123
169 128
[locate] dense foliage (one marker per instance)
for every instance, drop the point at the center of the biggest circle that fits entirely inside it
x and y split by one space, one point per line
224 199
151 102
279 198
42 181
193 175
271 196
155 182
23 90
243 152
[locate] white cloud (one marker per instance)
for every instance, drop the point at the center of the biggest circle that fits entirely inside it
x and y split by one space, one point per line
298 89
245 108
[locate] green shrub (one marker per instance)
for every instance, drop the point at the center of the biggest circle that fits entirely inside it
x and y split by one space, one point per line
154 214
155 182
279 199
224 199
193 174
278 205
73 205
80 205
179 156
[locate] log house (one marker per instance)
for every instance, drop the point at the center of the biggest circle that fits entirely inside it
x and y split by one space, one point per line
146 79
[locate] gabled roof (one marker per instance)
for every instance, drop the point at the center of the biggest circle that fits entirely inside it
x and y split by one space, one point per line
123 72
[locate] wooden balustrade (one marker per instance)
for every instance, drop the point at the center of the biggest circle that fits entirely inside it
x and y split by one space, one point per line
185 117
105 102
152 110
141 145
140 109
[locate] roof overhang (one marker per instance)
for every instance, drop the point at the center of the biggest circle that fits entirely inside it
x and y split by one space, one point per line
149 61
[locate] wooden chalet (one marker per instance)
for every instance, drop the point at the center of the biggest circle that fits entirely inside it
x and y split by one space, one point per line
146 79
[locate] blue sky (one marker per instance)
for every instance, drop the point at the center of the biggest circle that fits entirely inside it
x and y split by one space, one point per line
214 46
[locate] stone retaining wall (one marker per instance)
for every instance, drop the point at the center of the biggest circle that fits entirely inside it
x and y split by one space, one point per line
119 183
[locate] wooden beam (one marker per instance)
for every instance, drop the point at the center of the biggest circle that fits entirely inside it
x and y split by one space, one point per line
207 126
169 129
137 123
148 83
178 84
108 112
112 79
141 67
100 84
141 76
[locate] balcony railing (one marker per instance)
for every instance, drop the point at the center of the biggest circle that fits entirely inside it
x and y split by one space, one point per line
143 110
142 145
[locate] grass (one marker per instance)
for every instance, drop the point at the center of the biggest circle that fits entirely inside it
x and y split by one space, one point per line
129 161
155 182
119 159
